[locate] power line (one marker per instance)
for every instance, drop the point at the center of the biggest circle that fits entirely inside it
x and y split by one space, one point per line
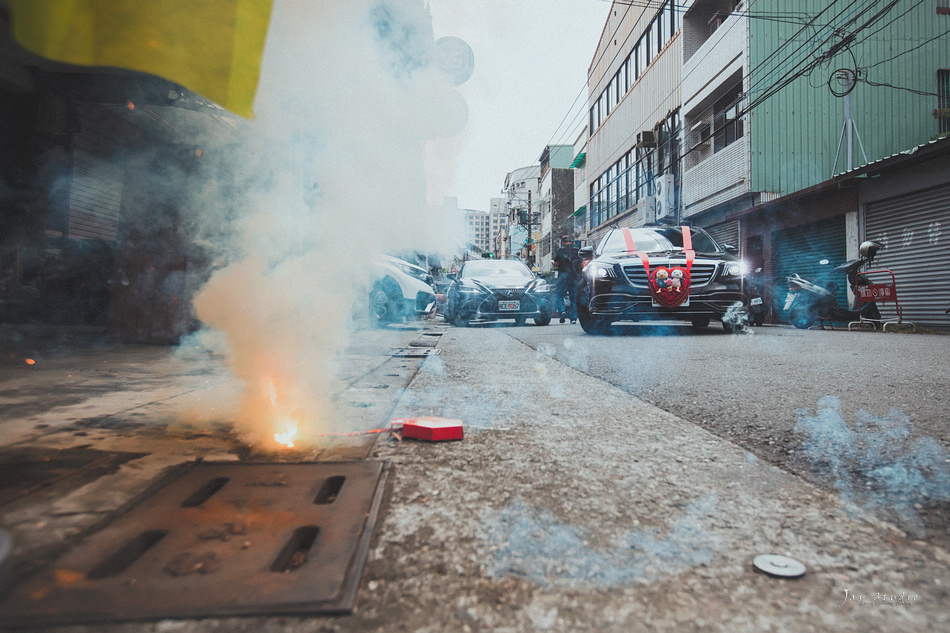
842 19
838 34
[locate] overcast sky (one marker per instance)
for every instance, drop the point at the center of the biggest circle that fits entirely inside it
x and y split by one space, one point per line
531 61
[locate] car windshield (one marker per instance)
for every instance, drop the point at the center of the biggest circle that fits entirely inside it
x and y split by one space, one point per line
656 240
496 268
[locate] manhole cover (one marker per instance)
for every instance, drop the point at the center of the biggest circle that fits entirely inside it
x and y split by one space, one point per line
218 540
777 565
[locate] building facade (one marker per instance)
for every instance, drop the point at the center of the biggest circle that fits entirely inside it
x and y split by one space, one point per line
750 119
522 192
580 228
634 117
556 201
476 224
498 227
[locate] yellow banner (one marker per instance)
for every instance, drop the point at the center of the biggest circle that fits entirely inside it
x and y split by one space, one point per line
212 47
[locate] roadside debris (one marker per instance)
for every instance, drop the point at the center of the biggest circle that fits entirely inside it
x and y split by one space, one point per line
432 429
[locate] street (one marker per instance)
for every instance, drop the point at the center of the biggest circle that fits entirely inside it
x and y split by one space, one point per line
754 390
619 483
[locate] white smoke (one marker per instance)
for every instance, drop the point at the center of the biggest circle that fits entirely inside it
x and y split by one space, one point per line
881 465
331 172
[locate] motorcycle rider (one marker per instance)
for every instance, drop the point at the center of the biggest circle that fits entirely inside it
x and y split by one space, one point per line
567 264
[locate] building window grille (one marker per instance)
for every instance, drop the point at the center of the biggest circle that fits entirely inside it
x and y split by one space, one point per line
727 124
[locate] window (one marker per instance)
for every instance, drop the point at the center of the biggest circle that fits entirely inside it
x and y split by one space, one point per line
636 57
727 124
943 101
644 171
667 153
647 41
624 182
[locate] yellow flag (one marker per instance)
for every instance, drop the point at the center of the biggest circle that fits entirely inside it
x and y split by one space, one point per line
212 47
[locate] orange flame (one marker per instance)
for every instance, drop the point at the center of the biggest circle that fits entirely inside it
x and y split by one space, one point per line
285 422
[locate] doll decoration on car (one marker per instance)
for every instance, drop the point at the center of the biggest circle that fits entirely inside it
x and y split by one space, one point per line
669 286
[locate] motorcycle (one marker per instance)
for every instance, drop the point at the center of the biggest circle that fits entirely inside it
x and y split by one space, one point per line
757 307
808 302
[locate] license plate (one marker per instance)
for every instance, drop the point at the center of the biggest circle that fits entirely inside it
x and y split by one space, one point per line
789 299
684 304
756 301
507 306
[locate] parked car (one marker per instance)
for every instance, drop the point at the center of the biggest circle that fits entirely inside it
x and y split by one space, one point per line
493 289
400 290
647 273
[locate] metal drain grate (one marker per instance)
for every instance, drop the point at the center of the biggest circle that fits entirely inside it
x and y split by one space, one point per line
24 471
218 540
415 352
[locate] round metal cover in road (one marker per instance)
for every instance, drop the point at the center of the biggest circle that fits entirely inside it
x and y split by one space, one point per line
776 565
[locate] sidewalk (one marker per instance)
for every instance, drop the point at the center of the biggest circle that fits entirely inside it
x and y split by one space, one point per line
568 506
571 506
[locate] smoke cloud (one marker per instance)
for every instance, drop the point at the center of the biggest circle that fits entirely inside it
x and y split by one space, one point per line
530 542
330 173
878 466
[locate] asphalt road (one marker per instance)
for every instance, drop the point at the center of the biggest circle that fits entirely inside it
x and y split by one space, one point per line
830 406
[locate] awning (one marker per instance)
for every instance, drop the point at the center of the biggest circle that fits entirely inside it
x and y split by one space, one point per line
579 161
580 211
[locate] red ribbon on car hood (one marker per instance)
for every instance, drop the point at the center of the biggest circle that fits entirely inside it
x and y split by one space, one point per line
669 286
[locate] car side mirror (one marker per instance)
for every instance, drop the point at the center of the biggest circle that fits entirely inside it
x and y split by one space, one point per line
730 248
452 277
586 252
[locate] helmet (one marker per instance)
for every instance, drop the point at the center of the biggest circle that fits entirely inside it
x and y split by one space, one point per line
870 248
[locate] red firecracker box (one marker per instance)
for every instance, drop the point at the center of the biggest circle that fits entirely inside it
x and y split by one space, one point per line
431 429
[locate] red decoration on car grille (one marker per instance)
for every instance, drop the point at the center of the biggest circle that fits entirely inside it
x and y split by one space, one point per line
669 286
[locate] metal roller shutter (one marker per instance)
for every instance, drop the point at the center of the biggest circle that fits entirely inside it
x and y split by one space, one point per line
95 197
915 230
798 249
725 233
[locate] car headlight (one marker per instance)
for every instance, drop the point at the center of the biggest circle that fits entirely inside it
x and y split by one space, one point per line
733 269
538 286
469 290
601 272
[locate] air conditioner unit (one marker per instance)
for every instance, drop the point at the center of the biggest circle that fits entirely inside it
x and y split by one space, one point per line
665 197
646 138
646 209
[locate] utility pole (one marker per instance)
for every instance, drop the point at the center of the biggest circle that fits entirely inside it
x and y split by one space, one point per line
847 79
530 238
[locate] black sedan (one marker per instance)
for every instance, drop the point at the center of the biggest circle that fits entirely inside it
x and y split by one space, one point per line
493 289
653 273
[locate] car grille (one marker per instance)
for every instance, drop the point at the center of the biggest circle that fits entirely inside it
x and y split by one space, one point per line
700 274
507 294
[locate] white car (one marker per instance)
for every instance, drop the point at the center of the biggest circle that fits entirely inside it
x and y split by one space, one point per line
400 290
